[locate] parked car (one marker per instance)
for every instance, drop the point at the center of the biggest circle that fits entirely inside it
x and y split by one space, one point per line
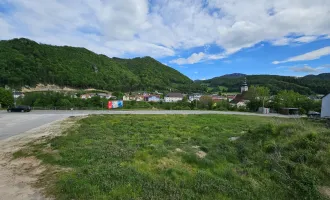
19 109
313 114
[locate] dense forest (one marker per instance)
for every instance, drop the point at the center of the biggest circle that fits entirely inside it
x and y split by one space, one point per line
311 84
25 62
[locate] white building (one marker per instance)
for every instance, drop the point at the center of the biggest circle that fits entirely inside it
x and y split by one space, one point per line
126 98
87 96
241 104
173 97
104 95
244 87
195 97
18 94
325 112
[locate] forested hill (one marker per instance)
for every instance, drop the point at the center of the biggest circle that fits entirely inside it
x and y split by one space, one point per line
311 84
153 73
25 62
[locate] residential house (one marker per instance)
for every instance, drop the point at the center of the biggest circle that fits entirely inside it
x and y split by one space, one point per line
133 97
231 97
239 101
153 98
126 98
104 95
87 96
216 98
138 98
173 97
195 97
325 111
314 98
18 94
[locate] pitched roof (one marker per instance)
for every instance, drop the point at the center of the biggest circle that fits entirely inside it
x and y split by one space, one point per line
179 95
239 98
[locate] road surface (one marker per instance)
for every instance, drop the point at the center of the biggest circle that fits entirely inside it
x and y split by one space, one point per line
12 124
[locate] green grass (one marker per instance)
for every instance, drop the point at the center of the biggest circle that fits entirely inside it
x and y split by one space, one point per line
155 157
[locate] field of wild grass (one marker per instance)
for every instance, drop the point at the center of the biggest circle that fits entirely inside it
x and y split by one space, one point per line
188 157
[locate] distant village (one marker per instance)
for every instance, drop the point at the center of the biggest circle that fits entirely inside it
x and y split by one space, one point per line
173 97
238 100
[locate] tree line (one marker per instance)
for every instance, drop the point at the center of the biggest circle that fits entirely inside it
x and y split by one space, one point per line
311 84
258 96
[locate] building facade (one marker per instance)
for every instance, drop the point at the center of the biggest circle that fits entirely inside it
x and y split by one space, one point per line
154 98
195 97
325 112
240 100
244 87
173 97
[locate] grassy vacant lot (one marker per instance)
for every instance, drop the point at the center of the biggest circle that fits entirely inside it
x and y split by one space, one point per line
188 157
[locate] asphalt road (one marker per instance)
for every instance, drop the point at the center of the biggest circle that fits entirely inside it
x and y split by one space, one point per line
12 124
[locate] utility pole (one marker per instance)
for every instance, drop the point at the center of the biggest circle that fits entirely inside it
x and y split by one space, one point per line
14 97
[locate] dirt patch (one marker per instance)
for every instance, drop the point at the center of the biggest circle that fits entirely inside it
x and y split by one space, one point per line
233 139
201 154
324 190
17 176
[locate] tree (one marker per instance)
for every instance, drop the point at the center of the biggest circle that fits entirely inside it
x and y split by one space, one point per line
287 99
65 103
206 102
6 98
263 93
185 99
259 94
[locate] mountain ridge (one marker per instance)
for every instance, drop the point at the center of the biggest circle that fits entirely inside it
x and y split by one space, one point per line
26 62
309 84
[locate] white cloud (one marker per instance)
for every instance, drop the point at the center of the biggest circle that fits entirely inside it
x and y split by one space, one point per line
281 41
201 57
161 28
313 55
290 40
194 58
306 39
309 69
305 68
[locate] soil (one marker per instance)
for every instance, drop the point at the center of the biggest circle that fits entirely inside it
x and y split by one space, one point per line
18 176
201 154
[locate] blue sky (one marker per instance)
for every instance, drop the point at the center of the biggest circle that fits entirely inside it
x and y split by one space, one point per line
200 38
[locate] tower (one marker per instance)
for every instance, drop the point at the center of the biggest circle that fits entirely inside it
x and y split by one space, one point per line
244 87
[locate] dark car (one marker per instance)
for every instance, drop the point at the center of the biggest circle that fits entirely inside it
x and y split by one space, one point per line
313 114
19 109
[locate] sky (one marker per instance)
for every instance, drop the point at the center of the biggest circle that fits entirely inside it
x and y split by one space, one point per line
200 38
